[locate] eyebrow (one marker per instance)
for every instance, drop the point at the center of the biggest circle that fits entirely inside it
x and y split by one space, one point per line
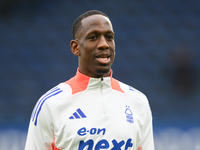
96 31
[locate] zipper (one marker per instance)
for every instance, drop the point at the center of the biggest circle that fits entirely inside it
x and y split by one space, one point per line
102 95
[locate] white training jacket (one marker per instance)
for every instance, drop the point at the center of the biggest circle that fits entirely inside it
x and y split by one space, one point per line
86 113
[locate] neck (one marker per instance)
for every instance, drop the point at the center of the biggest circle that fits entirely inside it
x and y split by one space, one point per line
97 73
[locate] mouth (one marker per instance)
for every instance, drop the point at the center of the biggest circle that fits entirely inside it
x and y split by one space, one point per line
104 58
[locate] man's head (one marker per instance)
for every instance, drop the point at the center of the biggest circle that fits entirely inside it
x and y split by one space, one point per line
77 25
93 43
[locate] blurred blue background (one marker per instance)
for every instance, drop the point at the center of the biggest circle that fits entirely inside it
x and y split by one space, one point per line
157 52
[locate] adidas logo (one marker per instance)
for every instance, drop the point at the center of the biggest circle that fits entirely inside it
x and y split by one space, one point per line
78 114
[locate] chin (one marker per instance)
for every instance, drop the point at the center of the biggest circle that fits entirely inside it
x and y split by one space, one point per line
103 72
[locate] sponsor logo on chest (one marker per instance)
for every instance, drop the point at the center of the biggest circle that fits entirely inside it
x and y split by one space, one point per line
93 144
103 143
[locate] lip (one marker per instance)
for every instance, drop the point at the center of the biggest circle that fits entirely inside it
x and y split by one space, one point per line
103 58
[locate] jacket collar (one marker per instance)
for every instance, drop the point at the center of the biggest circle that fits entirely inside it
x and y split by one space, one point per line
81 82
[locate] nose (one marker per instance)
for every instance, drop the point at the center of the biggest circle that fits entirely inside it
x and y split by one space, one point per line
102 44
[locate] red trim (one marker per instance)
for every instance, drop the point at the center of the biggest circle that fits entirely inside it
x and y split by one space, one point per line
115 85
76 80
139 148
53 146
80 82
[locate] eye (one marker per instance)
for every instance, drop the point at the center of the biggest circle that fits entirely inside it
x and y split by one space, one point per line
93 37
110 36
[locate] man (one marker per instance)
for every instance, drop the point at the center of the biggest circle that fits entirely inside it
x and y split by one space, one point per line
92 110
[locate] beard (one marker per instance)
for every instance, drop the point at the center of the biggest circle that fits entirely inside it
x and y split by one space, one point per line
102 72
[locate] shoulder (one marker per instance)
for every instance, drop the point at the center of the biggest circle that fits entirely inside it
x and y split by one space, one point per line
138 98
133 92
54 95
58 92
50 99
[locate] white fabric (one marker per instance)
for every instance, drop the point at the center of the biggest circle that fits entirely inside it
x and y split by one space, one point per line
113 119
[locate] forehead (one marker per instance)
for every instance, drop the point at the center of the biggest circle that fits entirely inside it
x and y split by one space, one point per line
96 22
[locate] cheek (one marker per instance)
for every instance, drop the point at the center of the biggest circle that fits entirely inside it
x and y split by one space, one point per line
88 50
86 55
112 45
87 46
113 49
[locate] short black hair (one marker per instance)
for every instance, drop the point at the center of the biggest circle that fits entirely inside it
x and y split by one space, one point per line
77 23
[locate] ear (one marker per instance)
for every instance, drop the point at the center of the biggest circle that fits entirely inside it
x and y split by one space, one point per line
75 47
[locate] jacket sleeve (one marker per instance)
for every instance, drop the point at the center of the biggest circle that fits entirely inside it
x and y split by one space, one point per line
145 133
147 141
40 133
